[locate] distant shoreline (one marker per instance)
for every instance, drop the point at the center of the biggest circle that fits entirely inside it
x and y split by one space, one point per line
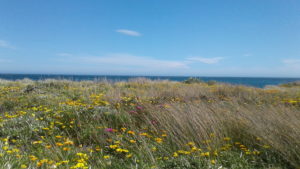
259 82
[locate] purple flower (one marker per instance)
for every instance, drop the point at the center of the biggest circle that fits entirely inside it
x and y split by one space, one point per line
132 112
139 107
109 130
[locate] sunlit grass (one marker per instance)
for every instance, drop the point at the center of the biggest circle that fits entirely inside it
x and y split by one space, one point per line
147 124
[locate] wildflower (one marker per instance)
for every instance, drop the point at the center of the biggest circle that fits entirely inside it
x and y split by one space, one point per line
58 137
117 142
206 154
59 144
213 162
128 155
97 148
131 132
68 142
23 166
66 148
37 142
158 140
132 141
144 134
109 130
106 157
226 139
119 150
266 146
190 144
175 154
113 146
123 129
33 158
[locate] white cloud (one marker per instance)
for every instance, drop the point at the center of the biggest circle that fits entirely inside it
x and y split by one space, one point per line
128 32
5 44
131 60
291 64
5 61
291 61
206 60
65 54
248 54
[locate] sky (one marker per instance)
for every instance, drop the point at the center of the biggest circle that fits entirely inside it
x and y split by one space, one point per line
251 38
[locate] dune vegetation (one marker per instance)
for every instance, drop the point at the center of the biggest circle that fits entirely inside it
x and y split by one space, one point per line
148 124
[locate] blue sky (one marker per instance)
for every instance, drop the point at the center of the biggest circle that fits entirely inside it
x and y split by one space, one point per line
151 37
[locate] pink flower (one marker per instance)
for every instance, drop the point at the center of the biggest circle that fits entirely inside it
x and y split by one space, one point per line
139 107
109 130
132 112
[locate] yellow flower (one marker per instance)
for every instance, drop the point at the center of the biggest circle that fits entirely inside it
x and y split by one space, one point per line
106 157
213 161
33 158
131 132
206 154
175 154
113 146
122 150
23 166
66 148
59 144
132 141
37 142
48 146
190 143
158 140
143 134
68 142
97 148
226 138
123 129
128 155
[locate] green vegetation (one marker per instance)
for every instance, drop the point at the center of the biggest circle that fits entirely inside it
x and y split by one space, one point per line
291 84
147 124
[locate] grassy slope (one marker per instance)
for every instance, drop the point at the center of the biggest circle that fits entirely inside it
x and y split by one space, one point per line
147 124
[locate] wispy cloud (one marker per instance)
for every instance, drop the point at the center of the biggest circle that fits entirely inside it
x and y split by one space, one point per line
248 54
118 60
64 54
291 61
206 60
128 32
5 60
291 64
132 60
5 44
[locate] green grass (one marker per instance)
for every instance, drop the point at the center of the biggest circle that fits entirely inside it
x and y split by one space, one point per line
147 124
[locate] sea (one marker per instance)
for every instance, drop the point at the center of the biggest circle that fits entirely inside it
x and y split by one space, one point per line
259 82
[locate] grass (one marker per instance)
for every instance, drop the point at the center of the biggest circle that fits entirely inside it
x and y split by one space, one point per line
147 124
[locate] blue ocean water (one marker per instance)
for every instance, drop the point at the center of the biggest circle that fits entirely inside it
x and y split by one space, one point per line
248 81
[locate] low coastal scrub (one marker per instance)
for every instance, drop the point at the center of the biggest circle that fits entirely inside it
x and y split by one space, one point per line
148 124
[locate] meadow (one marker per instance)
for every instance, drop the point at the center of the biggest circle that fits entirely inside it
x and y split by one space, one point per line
148 124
